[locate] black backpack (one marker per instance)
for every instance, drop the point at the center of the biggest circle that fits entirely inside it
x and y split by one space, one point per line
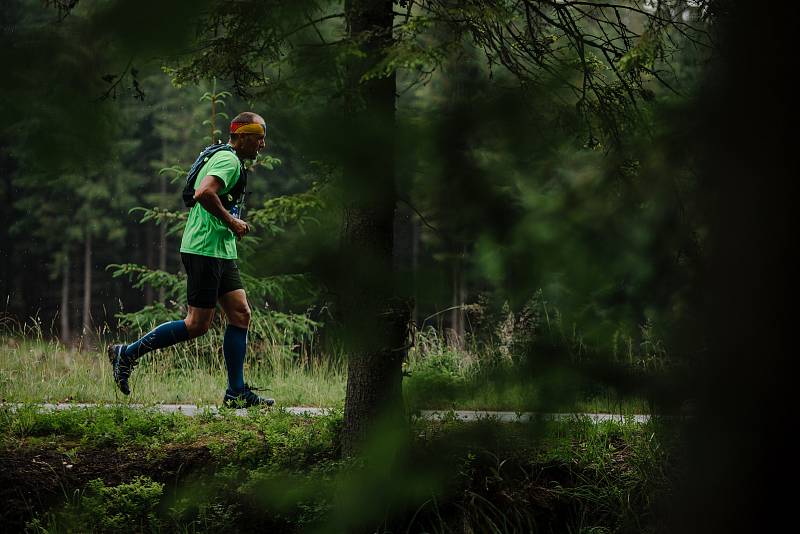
229 199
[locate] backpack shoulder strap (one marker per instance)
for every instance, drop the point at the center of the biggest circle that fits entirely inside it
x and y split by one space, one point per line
238 191
194 170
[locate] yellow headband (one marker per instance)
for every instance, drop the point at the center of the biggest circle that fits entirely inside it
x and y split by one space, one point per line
248 127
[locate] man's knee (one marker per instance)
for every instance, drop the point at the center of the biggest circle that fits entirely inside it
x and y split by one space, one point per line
241 315
236 308
197 326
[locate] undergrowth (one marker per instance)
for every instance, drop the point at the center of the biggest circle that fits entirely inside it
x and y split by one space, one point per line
278 472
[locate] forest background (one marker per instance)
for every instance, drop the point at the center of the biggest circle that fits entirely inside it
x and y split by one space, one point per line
489 171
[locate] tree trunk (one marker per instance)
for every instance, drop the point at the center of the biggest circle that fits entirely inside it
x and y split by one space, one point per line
87 285
462 296
162 242
213 111
742 325
457 312
376 324
375 319
7 248
416 235
65 331
460 178
149 261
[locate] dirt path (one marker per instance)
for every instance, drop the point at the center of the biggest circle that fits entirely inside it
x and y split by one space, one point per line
463 415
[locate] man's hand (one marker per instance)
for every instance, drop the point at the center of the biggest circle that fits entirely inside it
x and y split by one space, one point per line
239 227
207 195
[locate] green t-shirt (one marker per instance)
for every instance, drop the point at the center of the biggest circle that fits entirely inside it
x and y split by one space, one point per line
204 233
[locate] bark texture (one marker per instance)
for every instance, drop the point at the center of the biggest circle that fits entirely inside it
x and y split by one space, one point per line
162 240
376 319
149 260
87 285
66 336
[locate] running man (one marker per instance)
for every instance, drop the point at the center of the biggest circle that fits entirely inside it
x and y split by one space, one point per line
208 252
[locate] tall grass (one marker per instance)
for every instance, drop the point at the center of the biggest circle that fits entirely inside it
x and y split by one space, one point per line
37 368
440 374
487 376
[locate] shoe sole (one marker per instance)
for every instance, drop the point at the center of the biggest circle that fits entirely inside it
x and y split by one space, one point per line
233 404
112 356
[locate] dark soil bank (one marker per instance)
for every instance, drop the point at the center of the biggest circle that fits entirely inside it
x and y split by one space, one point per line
35 479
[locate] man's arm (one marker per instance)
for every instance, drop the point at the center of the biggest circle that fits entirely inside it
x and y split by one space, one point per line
207 195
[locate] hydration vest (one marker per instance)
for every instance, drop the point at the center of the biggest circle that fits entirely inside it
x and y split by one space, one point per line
229 199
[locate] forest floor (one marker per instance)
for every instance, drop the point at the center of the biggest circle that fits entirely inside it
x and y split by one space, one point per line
122 464
114 469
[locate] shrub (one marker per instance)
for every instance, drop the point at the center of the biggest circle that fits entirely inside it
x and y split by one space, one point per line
128 507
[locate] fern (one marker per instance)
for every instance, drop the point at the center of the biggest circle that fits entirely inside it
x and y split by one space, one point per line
148 317
278 288
175 220
174 284
278 213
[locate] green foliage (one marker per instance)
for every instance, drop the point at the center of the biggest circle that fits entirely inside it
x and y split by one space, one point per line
286 330
275 441
602 478
642 56
268 161
275 471
174 220
100 508
293 210
117 427
177 171
280 288
532 360
146 318
175 284
411 51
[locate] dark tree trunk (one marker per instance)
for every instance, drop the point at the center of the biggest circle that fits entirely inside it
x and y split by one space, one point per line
376 320
7 252
149 261
457 311
416 235
66 335
162 241
87 285
747 291
460 179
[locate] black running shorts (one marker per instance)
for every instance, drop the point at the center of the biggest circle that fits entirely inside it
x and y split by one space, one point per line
209 278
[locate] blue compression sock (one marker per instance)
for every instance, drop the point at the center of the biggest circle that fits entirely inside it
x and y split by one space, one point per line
234 347
160 337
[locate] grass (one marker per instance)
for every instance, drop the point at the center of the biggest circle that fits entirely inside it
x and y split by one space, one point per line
38 370
433 390
486 378
123 428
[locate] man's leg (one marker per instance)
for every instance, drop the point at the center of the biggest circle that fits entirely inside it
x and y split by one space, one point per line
197 323
125 357
202 285
160 337
234 348
234 345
